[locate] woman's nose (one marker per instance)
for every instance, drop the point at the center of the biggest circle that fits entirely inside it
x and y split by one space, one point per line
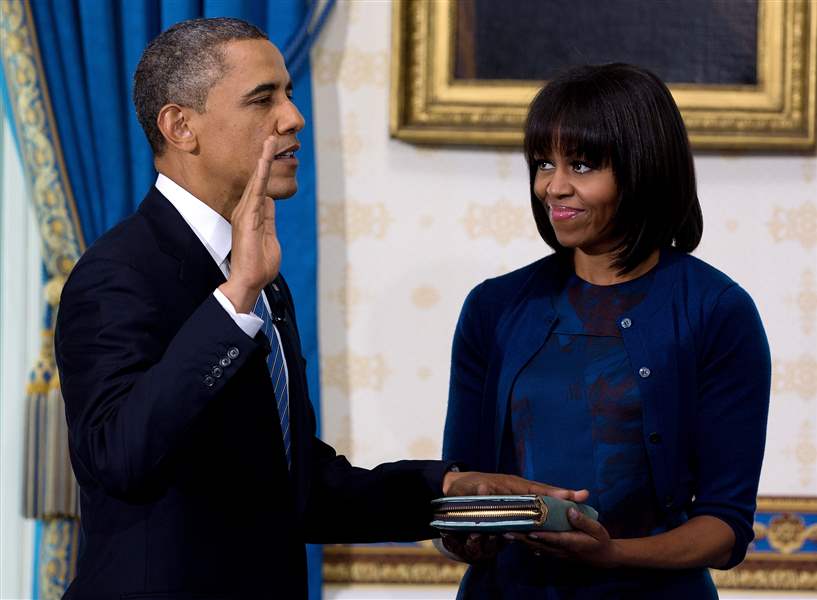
559 184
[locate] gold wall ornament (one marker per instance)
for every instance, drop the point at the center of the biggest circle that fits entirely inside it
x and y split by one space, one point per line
424 373
350 67
425 221
416 563
349 297
804 453
348 145
809 169
338 433
430 105
787 532
424 447
806 301
769 577
502 221
795 224
353 220
797 376
350 372
504 165
425 296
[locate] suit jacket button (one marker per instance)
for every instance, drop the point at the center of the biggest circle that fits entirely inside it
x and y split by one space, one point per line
233 352
644 372
209 381
626 323
654 437
216 371
225 362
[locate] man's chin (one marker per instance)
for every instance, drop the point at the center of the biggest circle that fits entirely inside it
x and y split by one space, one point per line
282 190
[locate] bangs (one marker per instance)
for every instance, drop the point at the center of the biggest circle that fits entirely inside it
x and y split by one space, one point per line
624 118
569 121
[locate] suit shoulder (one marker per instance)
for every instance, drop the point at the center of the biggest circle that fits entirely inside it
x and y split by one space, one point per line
126 255
131 243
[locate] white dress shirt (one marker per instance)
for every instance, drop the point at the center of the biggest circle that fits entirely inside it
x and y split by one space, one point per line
216 234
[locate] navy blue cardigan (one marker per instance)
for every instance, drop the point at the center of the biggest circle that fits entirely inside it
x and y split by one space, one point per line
699 353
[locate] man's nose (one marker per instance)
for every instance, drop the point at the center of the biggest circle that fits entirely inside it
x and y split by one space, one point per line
291 120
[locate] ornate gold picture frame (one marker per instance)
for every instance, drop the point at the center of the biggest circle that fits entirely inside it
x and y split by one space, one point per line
430 105
782 557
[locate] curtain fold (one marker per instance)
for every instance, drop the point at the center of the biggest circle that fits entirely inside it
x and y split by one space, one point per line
68 67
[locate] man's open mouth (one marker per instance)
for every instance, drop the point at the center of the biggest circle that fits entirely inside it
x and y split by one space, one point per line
288 153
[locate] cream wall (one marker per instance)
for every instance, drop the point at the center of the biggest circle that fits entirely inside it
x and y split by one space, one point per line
406 231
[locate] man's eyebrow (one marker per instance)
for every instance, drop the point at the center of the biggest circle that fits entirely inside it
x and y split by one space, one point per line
265 87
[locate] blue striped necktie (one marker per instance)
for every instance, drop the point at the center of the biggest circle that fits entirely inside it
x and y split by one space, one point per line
277 373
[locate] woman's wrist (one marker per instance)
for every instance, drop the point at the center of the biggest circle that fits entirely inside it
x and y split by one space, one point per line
616 557
702 541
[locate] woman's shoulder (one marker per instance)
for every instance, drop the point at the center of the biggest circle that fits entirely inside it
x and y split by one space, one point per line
511 283
500 293
703 280
704 289
699 271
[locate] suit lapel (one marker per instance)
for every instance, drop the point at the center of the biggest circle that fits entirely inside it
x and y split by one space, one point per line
198 272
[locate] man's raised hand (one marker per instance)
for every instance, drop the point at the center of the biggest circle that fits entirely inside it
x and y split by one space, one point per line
256 251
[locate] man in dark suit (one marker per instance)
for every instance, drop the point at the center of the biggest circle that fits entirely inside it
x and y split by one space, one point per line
191 431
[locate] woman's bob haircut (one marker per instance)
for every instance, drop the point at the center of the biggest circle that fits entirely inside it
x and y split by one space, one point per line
624 117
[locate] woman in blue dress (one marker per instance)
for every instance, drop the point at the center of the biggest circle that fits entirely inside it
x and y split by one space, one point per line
619 364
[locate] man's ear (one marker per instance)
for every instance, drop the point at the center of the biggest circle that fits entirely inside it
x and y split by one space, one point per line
175 127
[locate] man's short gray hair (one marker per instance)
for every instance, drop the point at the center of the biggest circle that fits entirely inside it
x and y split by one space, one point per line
181 65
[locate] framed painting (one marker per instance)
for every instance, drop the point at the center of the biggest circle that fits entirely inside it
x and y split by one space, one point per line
782 557
743 72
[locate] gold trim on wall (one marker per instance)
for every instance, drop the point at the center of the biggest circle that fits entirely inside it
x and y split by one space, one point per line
429 106
784 565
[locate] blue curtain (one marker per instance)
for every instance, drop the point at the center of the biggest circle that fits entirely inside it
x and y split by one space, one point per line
89 50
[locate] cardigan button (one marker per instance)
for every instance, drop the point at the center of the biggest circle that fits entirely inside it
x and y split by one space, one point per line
644 372
654 437
626 323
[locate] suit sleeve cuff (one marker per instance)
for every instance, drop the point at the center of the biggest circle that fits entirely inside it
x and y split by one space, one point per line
248 323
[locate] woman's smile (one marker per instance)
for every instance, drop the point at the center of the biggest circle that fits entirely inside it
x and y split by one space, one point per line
563 213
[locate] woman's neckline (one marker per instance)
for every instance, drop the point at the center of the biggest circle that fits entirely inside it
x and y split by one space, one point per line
611 278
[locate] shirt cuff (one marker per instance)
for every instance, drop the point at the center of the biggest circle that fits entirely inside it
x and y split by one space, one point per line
248 323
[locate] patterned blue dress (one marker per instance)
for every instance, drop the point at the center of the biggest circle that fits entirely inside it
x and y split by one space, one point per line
575 420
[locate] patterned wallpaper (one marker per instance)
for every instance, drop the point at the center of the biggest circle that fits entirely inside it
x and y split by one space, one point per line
407 231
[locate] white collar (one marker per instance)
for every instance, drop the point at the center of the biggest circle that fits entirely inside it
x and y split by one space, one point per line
214 231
